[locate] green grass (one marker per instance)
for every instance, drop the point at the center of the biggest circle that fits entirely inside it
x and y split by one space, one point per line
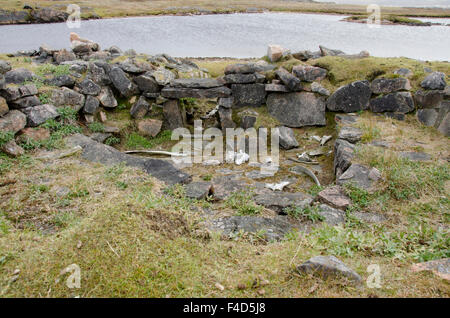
308 213
96 127
5 137
243 204
50 69
136 141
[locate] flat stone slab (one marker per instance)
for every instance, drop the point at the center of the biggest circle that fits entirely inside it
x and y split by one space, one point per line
335 196
328 266
331 216
180 92
273 229
97 152
359 175
440 267
198 190
415 156
278 202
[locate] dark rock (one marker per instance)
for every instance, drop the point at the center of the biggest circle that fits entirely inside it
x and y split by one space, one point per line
2 82
65 97
106 98
351 134
279 202
429 99
359 175
435 80
174 115
48 15
444 126
330 52
13 121
177 93
251 95
396 116
12 149
404 72
115 50
129 67
308 73
248 121
18 76
350 98
24 102
415 156
225 118
140 108
147 83
240 78
158 168
5 66
226 102
297 109
100 137
196 83
344 119
274 229
225 186
149 127
88 87
400 102
198 190
330 215
287 138
40 114
98 73
121 82
343 156
91 105
328 266
64 56
61 80
334 196
248 68
291 82
307 55
389 85
428 117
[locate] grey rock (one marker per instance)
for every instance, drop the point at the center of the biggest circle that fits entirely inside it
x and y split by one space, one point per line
149 127
330 215
64 56
308 73
335 197
358 175
61 80
28 90
88 87
121 82
429 99
158 168
198 190
40 114
12 149
274 229
350 134
248 121
344 119
2 82
396 116
106 98
5 66
248 68
147 83
276 88
3 107
100 137
291 82
258 174
404 72
400 102
174 115
65 97
177 93
163 76
297 109
140 108
248 95
343 156
129 67
428 117
196 83
226 102
319 89
225 118
13 121
91 105
328 267
280 201
98 73
350 98
415 156
330 52
24 102
389 85
435 80
444 126
240 78
287 138
18 76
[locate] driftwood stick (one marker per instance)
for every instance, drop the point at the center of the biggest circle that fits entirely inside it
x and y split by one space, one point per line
158 152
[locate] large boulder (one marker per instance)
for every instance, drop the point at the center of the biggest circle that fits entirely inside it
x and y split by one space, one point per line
24 102
91 105
98 73
350 134
40 114
64 56
66 97
390 85
140 108
18 76
359 175
122 83
240 78
350 98
225 118
48 15
82 46
61 80
435 80
334 196
399 102
196 83
297 109
309 73
252 95
274 52
147 83
201 93
162 76
292 83
330 52
88 87
174 115
248 68
149 127
13 121
429 99
5 66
